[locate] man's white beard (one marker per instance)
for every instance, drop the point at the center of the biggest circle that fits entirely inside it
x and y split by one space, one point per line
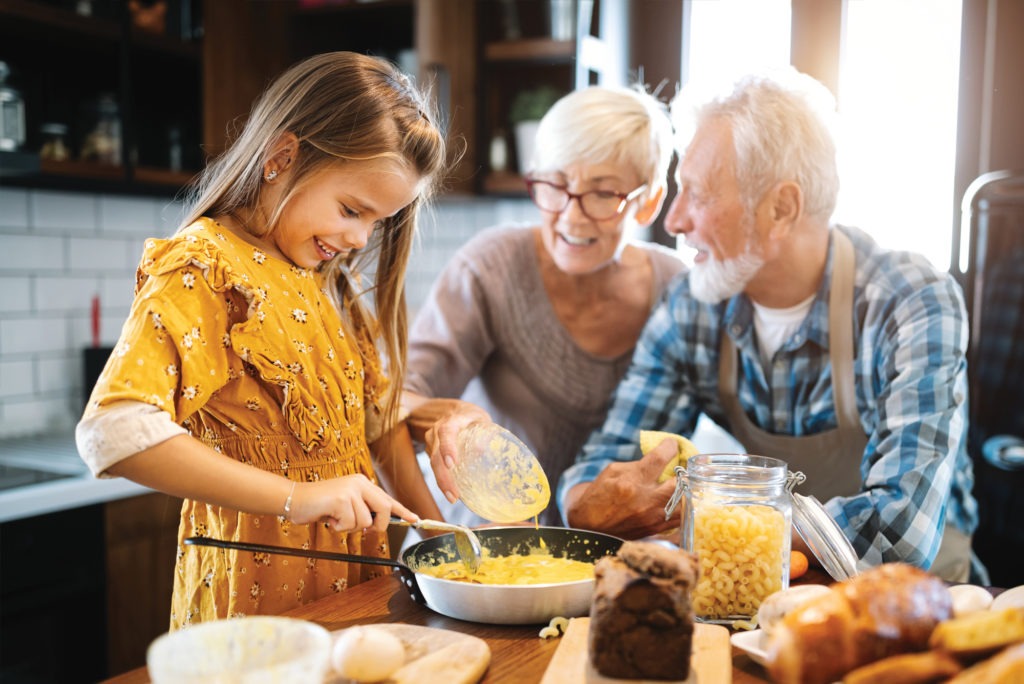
713 281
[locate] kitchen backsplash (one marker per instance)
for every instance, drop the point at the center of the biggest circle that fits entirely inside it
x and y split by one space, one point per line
60 249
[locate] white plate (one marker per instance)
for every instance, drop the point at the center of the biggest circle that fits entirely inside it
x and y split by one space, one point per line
1010 598
750 643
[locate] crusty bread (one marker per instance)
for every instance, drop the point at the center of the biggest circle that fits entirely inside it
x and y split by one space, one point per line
906 668
977 634
1006 667
641 619
884 611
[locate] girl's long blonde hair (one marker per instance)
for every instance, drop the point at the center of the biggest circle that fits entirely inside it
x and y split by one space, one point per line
342 107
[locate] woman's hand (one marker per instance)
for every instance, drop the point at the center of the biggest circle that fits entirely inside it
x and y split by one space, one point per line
441 442
436 423
346 503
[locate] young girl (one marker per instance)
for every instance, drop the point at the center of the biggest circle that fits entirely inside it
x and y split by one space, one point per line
246 379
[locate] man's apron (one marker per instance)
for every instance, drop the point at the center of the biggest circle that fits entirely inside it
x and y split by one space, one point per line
830 459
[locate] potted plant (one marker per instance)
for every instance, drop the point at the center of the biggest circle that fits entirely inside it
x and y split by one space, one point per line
528 107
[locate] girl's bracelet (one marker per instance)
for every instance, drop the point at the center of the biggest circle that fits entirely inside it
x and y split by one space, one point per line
288 502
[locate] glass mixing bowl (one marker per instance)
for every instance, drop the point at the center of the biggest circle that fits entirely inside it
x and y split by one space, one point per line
498 477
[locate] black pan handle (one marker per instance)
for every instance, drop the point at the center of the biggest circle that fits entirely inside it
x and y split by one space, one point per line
406 573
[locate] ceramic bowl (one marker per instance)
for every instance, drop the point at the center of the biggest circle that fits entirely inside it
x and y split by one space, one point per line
248 650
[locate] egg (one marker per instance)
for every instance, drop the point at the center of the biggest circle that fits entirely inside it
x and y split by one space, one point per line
969 598
367 654
1011 598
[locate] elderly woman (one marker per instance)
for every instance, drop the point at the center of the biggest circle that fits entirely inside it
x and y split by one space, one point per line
533 326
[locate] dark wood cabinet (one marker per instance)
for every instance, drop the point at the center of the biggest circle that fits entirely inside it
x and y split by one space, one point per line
140 534
181 94
85 590
80 69
531 52
248 43
53 622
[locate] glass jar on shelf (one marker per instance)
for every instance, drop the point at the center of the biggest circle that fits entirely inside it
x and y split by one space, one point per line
12 113
103 142
55 142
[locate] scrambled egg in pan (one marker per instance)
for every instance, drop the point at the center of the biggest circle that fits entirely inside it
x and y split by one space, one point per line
535 568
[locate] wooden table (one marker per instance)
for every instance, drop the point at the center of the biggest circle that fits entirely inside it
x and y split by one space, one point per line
518 655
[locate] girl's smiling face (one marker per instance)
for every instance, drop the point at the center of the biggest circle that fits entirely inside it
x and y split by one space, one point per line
335 211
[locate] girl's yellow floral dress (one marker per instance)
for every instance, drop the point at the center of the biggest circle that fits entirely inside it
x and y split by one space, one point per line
248 353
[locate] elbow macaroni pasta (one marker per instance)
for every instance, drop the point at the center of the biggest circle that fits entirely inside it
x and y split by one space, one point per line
555 628
741 553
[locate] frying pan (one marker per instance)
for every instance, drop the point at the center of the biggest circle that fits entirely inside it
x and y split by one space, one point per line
502 604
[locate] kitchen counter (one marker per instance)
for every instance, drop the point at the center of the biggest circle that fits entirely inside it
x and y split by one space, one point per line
518 654
45 474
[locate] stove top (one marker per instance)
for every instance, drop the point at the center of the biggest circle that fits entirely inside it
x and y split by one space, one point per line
15 476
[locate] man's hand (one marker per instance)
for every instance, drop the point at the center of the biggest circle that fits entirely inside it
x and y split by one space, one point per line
626 500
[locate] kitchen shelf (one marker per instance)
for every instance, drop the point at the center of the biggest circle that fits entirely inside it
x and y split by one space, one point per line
165 44
14 164
73 168
63 62
504 183
524 55
530 49
42 19
159 176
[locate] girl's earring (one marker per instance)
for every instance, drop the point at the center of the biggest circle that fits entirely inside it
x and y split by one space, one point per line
271 175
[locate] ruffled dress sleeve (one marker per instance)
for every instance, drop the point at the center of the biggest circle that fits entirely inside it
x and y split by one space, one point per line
175 349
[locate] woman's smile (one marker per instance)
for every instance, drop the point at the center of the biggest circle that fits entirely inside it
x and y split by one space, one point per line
575 241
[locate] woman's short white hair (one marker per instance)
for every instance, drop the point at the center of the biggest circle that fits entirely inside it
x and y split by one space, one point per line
782 127
600 124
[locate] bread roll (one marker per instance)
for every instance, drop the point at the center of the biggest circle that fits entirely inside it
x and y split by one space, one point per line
1006 667
907 668
884 611
977 634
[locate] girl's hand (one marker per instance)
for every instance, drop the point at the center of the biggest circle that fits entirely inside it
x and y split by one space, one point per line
442 443
347 504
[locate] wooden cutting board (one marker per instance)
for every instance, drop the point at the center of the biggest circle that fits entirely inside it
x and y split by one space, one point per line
432 656
711 661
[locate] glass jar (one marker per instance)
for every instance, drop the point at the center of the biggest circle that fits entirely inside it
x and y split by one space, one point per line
737 519
103 142
12 113
55 143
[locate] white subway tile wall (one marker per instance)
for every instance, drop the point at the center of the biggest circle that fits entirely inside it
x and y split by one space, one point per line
60 249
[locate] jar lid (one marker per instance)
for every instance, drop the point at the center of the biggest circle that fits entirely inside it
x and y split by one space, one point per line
823 537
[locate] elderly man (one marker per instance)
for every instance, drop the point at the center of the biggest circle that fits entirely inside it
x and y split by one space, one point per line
806 341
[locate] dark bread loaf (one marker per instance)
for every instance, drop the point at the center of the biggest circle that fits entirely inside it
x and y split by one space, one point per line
641 619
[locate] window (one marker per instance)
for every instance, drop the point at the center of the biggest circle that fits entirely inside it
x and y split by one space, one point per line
724 39
898 82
